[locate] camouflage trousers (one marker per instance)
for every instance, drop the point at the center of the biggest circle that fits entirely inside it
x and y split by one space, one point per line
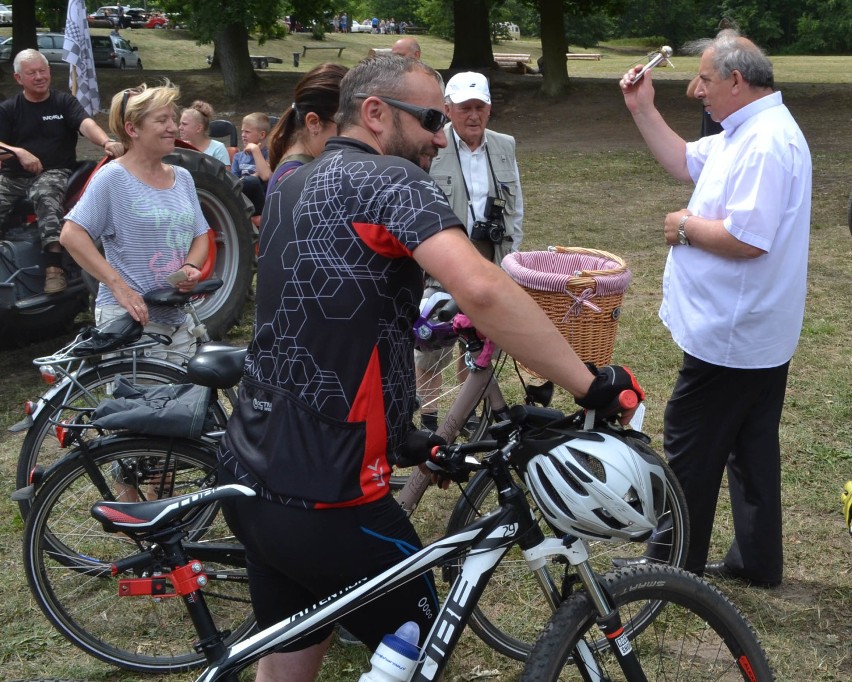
46 192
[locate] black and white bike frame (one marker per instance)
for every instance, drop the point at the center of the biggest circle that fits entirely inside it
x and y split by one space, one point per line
479 546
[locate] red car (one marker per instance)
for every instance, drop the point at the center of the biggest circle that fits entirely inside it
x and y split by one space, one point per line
140 18
156 21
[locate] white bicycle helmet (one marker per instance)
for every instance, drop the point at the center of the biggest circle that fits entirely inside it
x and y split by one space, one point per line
598 487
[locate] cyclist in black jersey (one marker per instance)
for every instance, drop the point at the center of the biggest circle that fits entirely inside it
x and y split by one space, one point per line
329 389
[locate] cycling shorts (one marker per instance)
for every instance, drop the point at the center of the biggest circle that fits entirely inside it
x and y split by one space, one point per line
296 557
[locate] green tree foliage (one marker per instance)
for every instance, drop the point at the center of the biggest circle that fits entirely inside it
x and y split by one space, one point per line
779 26
52 13
824 28
205 18
437 15
673 21
587 30
401 10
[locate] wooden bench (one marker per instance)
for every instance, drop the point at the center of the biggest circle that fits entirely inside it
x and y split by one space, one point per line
339 48
379 51
583 55
511 61
416 30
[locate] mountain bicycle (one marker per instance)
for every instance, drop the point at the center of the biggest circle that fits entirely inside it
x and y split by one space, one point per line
718 637
80 375
86 475
514 589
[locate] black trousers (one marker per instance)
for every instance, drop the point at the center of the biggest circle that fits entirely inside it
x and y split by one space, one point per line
718 418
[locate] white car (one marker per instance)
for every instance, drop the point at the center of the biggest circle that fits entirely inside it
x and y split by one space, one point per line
357 27
5 14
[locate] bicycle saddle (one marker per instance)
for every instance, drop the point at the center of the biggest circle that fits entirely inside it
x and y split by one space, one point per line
174 298
156 515
114 334
216 366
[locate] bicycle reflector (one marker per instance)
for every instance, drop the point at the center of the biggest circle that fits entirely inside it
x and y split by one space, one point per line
48 374
63 435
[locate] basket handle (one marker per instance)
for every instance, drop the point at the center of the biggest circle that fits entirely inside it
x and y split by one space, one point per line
606 255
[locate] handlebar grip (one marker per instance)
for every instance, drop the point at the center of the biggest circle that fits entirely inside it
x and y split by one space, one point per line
449 311
627 399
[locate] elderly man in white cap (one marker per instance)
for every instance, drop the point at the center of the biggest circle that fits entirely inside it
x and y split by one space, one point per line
479 174
478 171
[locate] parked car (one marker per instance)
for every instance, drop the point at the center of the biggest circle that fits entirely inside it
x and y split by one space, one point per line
108 16
49 44
5 14
142 18
114 51
358 27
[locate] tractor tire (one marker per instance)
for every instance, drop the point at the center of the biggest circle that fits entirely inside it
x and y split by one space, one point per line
228 212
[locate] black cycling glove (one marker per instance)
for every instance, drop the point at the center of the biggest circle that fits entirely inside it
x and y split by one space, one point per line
417 447
607 386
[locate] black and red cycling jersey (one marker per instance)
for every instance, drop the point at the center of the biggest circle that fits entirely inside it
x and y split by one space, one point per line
329 386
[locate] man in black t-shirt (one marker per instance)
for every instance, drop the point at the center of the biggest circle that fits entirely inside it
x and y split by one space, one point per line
328 393
39 127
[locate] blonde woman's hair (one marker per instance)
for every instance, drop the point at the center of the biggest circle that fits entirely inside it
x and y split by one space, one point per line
134 104
202 112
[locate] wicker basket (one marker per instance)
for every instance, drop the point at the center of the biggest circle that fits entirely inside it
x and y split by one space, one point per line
580 290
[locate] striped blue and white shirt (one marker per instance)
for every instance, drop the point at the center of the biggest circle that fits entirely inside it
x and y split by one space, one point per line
146 232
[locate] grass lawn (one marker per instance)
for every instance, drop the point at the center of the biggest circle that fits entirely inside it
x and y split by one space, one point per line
588 181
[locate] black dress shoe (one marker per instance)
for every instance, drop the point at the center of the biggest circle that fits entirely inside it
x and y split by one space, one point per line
719 569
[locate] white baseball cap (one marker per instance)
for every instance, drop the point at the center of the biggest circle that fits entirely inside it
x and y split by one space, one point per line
468 85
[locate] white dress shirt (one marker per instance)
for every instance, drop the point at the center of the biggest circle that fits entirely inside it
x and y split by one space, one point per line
756 177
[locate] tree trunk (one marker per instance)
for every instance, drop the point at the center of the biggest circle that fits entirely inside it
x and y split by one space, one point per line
24 27
553 47
232 57
472 43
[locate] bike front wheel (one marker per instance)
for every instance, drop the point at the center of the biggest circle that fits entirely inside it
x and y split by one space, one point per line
68 556
697 634
513 609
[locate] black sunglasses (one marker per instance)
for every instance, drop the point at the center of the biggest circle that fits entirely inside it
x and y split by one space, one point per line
430 119
130 92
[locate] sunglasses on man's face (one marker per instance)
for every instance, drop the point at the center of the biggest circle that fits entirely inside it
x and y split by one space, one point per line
430 119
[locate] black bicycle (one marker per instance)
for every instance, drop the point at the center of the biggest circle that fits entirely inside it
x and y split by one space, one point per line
80 375
154 555
75 588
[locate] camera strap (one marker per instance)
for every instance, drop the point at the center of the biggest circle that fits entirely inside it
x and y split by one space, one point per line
464 182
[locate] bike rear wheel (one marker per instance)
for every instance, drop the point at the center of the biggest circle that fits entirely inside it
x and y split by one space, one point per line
93 384
697 634
512 609
41 447
68 557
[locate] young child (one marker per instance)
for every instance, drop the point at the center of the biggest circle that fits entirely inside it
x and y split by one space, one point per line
252 164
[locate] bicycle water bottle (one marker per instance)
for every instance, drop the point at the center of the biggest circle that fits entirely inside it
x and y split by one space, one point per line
396 656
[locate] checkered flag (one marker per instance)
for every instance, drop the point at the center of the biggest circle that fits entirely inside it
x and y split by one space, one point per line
77 51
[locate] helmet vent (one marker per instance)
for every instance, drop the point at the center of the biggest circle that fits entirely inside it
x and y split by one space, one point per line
553 497
658 490
591 464
569 475
608 520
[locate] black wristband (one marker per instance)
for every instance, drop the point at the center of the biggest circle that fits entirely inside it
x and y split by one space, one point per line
192 265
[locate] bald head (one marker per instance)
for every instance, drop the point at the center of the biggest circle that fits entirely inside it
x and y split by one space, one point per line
407 47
